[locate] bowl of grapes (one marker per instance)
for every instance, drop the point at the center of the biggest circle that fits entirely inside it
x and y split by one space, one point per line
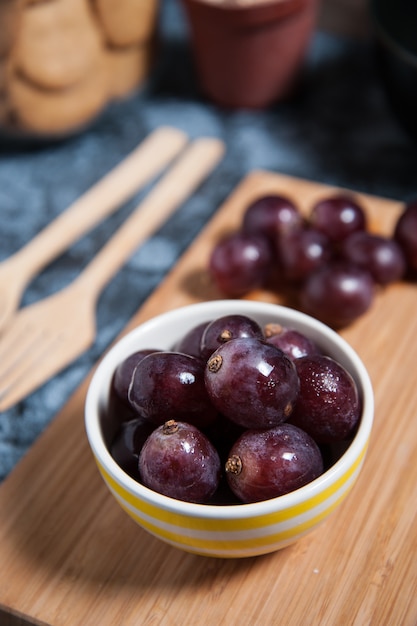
230 428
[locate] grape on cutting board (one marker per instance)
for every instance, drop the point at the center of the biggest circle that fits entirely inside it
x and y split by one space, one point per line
328 263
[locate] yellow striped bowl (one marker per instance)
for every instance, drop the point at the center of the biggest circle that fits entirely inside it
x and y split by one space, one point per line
233 530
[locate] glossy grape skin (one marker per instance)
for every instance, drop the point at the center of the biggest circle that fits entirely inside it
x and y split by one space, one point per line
291 341
337 293
405 234
128 442
240 262
381 256
226 328
271 215
301 251
124 372
170 385
177 460
252 383
190 343
338 216
120 410
328 405
268 463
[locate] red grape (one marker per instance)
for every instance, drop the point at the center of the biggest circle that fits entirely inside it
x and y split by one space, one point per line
271 215
170 385
405 233
292 342
124 372
328 405
264 464
190 343
241 262
301 251
338 293
128 442
381 256
338 216
177 460
226 328
252 382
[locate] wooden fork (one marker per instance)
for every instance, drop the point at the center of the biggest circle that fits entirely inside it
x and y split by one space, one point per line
107 195
48 335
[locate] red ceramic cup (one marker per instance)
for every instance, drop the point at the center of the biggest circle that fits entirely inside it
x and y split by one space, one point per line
249 55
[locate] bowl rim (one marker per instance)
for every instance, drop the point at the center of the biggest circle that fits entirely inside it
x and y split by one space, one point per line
102 374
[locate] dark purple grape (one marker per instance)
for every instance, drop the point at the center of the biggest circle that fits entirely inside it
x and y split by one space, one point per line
128 442
177 460
226 328
252 382
328 405
332 452
119 409
240 263
268 463
292 342
170 385
337 293
271 215
338 216
381 256
124 372
301 251
405 234
222 434
118 412
190 343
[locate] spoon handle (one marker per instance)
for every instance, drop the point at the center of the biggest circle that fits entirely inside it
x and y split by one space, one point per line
104 198
181 180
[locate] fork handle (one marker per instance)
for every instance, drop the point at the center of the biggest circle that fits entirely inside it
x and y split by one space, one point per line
188 171
107 195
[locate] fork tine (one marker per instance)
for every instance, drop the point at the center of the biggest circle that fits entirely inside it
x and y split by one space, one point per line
37 344
15 345
18 350
30 358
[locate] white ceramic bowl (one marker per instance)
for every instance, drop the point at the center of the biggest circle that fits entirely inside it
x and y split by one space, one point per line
241 530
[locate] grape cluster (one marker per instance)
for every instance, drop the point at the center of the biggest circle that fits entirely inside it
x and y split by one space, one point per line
329 263
242 413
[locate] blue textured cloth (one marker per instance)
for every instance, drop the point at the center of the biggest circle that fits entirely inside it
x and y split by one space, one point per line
337 130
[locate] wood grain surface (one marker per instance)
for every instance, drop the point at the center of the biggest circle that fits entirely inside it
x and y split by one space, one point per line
70 556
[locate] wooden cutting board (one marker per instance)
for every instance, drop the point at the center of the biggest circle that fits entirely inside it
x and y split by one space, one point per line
71 557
